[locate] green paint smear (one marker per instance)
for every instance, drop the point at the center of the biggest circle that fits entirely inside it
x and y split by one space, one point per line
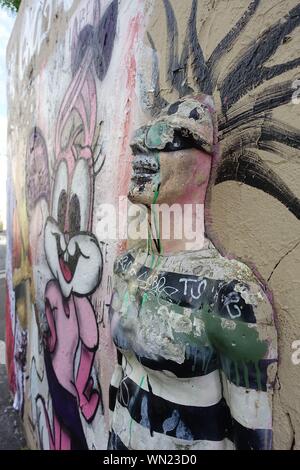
236 347
241 344
126 301
145 298
189 339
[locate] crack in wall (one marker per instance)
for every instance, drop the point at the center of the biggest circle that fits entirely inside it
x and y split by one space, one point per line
282 258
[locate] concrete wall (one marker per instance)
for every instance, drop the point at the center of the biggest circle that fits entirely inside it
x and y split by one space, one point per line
83 75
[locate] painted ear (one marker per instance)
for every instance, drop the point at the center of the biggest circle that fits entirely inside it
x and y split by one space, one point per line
104 36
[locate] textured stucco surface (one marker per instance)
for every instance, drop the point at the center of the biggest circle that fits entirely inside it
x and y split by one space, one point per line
245 223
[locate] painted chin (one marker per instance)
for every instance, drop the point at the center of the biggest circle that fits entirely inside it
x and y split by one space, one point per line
142 189
142 192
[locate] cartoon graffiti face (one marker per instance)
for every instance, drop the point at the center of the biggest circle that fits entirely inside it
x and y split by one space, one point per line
173 152
73 253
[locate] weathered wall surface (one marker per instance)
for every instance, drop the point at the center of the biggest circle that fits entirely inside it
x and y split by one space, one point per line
83 75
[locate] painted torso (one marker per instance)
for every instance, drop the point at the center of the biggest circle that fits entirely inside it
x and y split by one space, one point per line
197 347
65 320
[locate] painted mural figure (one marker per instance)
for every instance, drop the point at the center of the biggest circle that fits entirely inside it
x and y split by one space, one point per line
194 330
197 346
75 260
67 322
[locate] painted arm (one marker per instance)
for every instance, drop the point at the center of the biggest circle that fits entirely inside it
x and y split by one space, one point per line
87 324
244 334
247 327
89 397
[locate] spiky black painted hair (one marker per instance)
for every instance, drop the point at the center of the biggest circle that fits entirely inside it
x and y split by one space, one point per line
242 130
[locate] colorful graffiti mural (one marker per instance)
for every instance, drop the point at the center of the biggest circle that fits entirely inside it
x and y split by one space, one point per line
161 342
75 260
67 322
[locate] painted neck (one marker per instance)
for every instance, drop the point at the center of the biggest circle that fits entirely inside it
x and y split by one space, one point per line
180 226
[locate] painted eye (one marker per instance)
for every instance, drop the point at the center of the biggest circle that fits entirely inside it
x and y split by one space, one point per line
164 137
80 197
74 214
185 139
62 209
59 198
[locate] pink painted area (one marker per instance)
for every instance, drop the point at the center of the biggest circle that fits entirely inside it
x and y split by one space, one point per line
89 398
65 441
202 168
86 322
81 99
124 152
71 322
67 273
10 342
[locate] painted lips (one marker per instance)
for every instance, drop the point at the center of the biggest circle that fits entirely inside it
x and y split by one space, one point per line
144 167
68 263
65 269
